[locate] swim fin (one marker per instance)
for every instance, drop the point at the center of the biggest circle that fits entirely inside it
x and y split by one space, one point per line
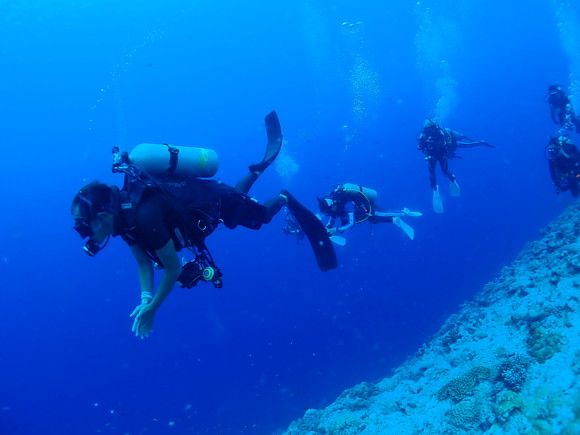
274 133
437 204
407 229
339 240
315 231
412 213
455 189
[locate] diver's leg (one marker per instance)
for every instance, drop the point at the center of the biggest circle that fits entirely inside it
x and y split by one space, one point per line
380 217
437 204
431 166
453 186
445 169
247 181
273 206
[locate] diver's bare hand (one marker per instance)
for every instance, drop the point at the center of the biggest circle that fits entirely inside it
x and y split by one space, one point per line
143 324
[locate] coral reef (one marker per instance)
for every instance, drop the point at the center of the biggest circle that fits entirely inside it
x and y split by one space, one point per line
508 362
514 371
544 344
464 415
464 386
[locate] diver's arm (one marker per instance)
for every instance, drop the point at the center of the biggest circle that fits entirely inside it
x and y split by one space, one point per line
145 313
324 218
171 270
145 271
463 141
349 225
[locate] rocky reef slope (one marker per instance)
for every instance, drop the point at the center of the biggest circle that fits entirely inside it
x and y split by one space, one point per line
508 363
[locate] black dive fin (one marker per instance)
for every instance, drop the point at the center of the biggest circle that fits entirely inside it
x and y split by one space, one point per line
274 132
315 232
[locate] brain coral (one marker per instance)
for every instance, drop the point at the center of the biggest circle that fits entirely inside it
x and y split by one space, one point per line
463 414
463 386
543 344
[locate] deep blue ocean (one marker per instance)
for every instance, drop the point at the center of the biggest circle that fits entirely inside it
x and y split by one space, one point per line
352 83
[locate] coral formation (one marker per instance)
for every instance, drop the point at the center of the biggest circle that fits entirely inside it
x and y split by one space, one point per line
464 386
507 403
508 362
464 414
544 344
513 371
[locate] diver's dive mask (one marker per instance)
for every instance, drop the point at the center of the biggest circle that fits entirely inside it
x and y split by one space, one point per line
83 228
92 247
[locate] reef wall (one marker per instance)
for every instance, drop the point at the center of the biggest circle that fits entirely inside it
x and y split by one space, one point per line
508 363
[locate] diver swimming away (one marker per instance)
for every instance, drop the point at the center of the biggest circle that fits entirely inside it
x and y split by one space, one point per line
439 145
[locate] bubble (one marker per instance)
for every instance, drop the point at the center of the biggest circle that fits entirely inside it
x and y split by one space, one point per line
363 78
436 39
286 166
569 30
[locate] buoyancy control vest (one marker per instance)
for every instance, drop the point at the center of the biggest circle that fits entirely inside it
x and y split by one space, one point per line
191 209
362 197
191 200
435 141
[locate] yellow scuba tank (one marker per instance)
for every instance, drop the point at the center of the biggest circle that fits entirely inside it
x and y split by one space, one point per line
164 159
371 194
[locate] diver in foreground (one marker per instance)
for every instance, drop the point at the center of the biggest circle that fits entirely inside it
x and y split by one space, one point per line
439 145
165 206
350 204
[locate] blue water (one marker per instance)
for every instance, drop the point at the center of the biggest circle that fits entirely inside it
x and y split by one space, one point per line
280 337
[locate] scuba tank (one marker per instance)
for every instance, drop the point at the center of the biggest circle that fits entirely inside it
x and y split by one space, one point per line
164 159
371 194
362 197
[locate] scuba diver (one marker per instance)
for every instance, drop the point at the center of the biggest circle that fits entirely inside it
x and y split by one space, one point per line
352 204
561 109
439 145
164 206
564 163
291 226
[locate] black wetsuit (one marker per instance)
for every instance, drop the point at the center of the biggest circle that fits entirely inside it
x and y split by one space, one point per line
195 207
562 111
439 145
564 164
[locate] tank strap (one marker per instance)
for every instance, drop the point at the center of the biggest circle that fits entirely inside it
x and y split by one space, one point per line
173 159
129 197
